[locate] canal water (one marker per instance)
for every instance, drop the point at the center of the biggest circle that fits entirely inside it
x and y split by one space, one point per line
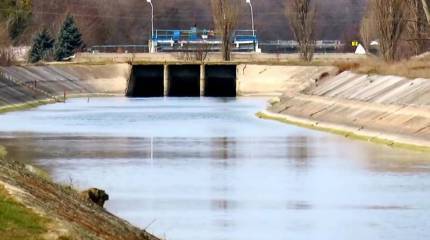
208 169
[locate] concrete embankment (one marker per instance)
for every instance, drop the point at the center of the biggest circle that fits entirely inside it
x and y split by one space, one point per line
385 109
23 86
270 80
28 86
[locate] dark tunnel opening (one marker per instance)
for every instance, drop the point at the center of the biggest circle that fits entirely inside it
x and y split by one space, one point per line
146 81
184 80
220 81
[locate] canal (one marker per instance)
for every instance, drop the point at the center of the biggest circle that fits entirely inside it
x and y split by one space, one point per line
208 169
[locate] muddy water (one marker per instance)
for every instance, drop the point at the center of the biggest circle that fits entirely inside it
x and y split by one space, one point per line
208 169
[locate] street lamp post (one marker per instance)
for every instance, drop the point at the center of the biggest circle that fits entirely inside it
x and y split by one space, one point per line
252 17
256 48
152 48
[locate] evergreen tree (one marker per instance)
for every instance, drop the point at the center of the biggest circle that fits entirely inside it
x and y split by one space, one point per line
69 40
43 43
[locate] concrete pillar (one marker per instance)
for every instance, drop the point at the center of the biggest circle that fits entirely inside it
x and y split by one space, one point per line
202 80
166 80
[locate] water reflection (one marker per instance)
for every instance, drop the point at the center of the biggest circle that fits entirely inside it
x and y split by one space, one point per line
208 169
299 151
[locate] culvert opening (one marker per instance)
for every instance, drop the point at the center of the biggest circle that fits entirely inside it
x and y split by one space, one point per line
146 81
220 81
184 80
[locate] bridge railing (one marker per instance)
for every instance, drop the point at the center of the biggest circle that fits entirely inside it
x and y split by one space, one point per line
177 40
118 48
174 35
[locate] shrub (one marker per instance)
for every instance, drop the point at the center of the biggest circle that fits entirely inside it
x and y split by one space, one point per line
69 40
42 46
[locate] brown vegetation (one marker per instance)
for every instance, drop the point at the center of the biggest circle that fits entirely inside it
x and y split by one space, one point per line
200 53
301 16
7 57
128 21
367 30
225 14
412 68
426 8
400 26
416 26
390 21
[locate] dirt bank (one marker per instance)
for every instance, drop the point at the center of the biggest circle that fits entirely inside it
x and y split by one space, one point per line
67 215
386 109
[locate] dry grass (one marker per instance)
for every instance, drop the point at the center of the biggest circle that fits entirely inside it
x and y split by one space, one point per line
3 152
79 218
18 222
7 58
413 68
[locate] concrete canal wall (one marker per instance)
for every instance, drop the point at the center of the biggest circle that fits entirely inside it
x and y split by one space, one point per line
272 80
389 109
221 80
384 108
29 84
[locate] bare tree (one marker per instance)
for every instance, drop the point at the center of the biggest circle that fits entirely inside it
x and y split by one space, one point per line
226 15
367 31
6 55
301 16
198 53
426 7
390 18
416 26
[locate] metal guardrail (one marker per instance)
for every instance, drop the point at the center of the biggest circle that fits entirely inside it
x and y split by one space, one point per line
290 46
186 40
180 40
118 48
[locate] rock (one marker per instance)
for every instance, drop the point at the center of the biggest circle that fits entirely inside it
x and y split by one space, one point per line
274 101
95 195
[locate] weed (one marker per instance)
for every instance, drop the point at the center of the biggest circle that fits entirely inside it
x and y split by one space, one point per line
3 152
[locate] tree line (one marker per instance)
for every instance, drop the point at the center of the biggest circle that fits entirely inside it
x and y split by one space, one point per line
68 42
399 27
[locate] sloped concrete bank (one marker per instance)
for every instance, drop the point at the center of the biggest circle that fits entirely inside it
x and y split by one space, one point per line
29 86
69 216
270 80
385 109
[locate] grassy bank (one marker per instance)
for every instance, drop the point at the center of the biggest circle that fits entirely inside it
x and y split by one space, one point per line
32 207
344 131
3 153
18 222
34 104
25 106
